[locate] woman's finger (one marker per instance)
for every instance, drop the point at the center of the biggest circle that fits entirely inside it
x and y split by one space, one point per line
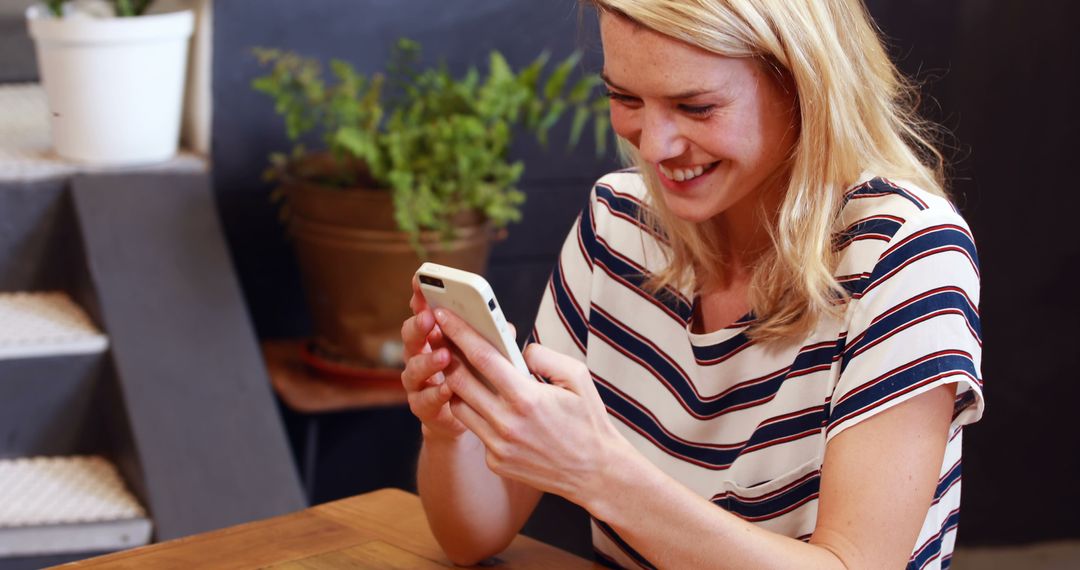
472 419
464 381
487 361
423 366
425 404
417 302
415 331
560 369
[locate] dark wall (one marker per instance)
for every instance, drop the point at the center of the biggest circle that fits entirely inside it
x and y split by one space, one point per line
1002 75
1005 75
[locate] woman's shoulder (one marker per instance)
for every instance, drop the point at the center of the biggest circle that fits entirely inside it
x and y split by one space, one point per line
899 199
879 215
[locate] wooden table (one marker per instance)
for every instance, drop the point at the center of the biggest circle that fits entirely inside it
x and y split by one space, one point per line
382 529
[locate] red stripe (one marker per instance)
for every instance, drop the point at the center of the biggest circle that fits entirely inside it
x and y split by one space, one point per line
900 369
770 495
896 395
913 322
911 260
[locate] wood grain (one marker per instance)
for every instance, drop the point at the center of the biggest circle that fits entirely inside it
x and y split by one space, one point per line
374 554
382 529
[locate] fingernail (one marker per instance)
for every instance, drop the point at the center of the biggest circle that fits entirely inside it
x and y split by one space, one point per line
440 315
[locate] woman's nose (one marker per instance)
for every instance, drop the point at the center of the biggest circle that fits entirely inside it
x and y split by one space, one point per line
660 138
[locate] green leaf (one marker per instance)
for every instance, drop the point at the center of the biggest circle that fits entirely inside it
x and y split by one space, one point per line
499 69
124 9
581 116
557 81
579 93
56 7
440 141
600 132
530 76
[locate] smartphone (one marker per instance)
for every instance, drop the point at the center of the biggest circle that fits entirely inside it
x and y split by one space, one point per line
470 297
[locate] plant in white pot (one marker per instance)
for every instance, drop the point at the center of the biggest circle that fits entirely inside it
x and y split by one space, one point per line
114 76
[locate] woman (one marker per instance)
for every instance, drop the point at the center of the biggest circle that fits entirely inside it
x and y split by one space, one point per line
760 344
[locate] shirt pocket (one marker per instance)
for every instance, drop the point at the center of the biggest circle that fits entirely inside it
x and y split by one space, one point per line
774 498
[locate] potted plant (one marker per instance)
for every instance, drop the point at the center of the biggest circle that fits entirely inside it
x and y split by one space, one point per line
114 77
412 165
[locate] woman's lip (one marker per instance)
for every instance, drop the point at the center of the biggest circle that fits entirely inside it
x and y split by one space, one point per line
685 185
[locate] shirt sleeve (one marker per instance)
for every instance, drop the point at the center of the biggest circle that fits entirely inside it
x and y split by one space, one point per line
915 325
563 317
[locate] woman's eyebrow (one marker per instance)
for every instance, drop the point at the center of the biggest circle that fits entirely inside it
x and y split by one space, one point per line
682 95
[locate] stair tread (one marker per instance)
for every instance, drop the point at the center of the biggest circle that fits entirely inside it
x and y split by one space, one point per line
46 323
60 490
51 505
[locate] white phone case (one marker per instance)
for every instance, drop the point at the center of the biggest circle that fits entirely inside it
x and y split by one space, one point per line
470 297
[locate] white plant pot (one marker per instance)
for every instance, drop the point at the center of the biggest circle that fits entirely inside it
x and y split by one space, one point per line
114 85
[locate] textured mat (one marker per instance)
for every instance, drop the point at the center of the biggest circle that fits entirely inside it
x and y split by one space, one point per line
51 505
45 324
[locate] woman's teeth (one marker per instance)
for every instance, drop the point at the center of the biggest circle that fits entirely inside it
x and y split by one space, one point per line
683 174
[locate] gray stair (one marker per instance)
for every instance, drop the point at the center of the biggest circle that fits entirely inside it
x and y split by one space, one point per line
126 357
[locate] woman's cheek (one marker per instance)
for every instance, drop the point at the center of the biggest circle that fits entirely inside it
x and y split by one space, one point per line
625 123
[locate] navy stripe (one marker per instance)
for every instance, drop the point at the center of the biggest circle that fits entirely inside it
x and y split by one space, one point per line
930 241
880 187
721 351
626 548
793 426
901 380
946 300
716 457
932 548
634 281
585 221
626 269
876 227
963 401
569 311
628 207
946 482
745 394
775 504
587 234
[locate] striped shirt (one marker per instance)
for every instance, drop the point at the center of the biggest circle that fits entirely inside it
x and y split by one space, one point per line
745 424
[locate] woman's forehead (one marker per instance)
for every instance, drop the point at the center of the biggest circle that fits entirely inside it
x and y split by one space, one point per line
642 60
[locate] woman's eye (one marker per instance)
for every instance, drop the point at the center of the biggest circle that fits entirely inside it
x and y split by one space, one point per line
621 98
697 110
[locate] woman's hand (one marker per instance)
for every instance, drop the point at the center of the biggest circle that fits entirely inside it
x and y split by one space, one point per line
554 437
426 356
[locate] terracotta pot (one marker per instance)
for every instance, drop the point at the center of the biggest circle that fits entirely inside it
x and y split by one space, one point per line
357 266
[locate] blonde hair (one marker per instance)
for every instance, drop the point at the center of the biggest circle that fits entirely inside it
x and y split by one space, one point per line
857 113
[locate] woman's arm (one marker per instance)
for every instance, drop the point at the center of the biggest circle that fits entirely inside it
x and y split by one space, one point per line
473 513
877 483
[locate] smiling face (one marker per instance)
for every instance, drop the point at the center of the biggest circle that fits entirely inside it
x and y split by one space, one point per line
717 130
